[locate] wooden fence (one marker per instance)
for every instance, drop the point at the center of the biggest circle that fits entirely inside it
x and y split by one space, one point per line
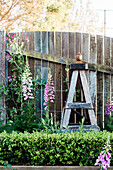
56 49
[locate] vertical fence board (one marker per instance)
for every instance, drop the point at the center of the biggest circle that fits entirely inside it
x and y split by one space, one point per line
100 99
38 70
2 72
78 42
32 65
44 76
111 52
38 41
26 44
65 44
71 45
31 41
99 49
86 47
58 91
58 45
112 89
107 51
53 105
45 42
93 50
106 91
93 74
51 43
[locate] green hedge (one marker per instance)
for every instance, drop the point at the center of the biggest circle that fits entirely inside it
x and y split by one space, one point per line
52 149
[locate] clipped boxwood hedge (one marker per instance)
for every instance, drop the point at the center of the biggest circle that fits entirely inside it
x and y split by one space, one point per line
52 149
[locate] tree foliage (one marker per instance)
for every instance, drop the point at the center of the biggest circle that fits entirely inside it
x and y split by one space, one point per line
49 15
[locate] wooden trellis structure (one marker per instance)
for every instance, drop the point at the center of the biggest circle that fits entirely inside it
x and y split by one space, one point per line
56 49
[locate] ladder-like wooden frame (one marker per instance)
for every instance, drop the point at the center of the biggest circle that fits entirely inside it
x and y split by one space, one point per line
69 105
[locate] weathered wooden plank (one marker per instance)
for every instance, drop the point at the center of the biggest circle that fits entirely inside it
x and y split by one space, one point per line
106 91
58 91
71 45
38 41
64 84
81 66
78 42
70 97
99 49
100 99
86 47
38 70
31 40
58 45
93 50
111 62
93 74
77 97
112 90
45 42
32 65
44 76
51 43
53 105
87 96
93 89
79 105
65 44
2 72
46 57
107 51
26 44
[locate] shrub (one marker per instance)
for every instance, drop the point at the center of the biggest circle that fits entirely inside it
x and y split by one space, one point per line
40 148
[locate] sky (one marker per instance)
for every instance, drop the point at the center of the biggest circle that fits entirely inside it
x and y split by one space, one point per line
107 5
103 4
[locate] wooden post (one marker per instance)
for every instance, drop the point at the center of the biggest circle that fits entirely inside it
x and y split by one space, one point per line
2 72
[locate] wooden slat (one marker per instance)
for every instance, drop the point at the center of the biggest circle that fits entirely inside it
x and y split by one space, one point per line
93 50
112 90
70 97
71 45
79 105
53 105
64 84
100 82
2 72
93 74
51 43
38 41
106 91
45 42
86 47
87 96
107 51
79 66
78 42
93 89
32 65
58 91
26 44
100 99
65 44
44 72
99 49
58 45
31 41
38 65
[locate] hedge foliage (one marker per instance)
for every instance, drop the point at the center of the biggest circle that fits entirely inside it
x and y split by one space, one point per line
53 149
